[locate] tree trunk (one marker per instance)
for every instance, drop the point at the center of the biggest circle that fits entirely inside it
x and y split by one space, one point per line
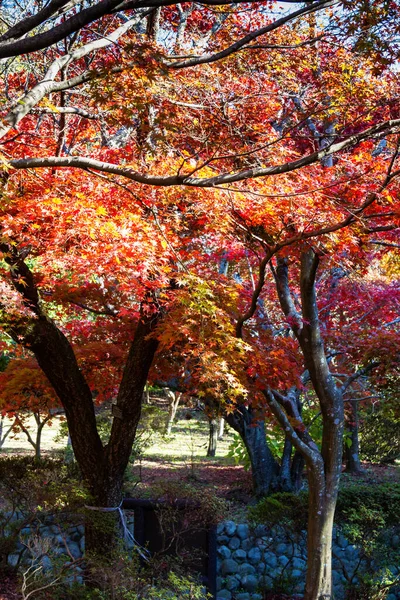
323 466
284 480
319 537
221 428
213 437
102 467
352 450
38 443
252 431
146 394
296 471
173 399
4 436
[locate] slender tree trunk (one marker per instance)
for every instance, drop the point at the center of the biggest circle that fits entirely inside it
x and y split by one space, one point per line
146 394
284 480
38 443
323 466
213 437
173 399
319 537
221 428
352 451
4 436
296 471
252 431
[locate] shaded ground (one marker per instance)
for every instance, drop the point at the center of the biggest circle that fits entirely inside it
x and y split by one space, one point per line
9 588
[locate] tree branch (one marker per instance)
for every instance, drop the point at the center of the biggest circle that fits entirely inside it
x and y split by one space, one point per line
377 131
59 32
47 85
240 44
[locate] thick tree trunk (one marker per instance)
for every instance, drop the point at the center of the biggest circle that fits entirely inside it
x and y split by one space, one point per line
213 437
252 431
102 467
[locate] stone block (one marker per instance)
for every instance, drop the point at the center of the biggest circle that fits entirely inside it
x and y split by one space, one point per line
74 550
270 559
254 555
260 567
234 543
239 554
283 560
342 542
242 531
229 566
246 545
246 569
224 552
299 563
249 583
296 574
224 595
230 528
232 583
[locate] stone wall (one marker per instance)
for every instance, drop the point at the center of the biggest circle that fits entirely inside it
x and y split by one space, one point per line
250 559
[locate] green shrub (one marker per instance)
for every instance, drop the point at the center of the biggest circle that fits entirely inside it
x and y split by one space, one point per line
383 499
281 508
123 578
380 435
31 489
237 451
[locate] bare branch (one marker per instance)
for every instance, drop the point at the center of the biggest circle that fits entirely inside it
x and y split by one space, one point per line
359 373
256 294
59 32
29 23
47 85
311 455
376 132
240 44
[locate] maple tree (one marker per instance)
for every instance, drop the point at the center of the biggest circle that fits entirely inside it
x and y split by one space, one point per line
25 391
140 148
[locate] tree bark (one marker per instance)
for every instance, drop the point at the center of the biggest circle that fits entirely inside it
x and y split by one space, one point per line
4 436
173 403
213 437
352 450
284 481
322 502
323 467
251 429
221 428
296 471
